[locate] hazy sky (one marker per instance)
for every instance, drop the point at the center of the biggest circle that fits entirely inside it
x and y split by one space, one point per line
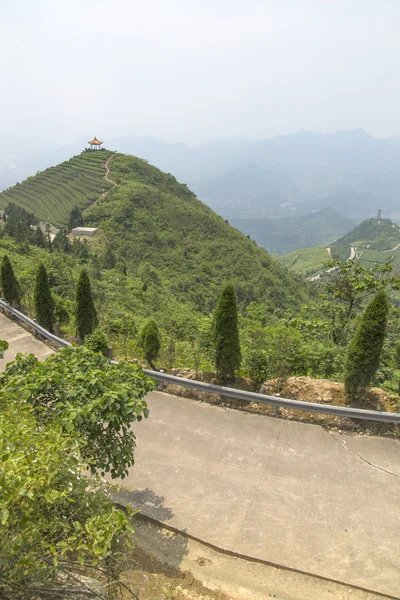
198 69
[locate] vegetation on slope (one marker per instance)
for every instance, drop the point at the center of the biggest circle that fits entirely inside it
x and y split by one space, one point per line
373 242
51 194
162 256
152 222
380 234
306 261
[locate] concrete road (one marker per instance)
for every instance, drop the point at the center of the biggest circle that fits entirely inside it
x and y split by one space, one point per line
19 340
288 493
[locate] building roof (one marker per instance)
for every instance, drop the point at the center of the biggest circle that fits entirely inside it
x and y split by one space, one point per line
95 142
84 229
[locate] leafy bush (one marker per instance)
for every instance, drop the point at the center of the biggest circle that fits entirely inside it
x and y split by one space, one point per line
81 390
97 342
150 342
257 365
53 515
51 512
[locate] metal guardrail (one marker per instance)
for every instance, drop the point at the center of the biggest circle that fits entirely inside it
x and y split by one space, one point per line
339 411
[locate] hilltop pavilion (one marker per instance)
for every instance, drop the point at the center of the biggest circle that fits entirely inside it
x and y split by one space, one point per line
95 144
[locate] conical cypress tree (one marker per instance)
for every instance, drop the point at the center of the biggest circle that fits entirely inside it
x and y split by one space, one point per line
9 284
226 335
44 303
150 342
86 316
364 352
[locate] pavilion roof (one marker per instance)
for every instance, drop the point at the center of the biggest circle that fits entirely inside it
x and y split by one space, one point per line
95 142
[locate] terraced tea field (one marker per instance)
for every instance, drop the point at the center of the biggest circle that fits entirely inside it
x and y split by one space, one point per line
52 194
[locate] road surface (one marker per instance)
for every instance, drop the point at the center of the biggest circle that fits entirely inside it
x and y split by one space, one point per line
285 492
20 340
288 493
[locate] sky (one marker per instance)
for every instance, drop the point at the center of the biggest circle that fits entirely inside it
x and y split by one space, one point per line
196 70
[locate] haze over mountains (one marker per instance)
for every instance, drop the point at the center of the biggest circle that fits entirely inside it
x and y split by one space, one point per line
284 235
291 175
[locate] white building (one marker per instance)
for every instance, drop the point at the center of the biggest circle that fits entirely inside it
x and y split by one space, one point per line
90 231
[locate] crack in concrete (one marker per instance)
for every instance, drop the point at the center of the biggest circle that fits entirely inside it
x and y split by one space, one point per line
344 446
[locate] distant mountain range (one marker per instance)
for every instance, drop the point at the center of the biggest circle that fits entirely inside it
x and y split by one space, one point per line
291 233
296 174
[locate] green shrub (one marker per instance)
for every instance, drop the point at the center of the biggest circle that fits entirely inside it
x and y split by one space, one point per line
97 341
226 335
44 303
53 515
9 284
86 315
257 365
150 342
364 352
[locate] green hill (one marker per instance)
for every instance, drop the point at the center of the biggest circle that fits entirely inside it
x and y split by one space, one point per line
150 218
160 253
372 242
51 194
374 234
290 233
159 230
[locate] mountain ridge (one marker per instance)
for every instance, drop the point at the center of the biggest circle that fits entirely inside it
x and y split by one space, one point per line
153 223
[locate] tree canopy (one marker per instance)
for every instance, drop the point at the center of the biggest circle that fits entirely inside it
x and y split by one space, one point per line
53 515
9 285
44 302
226 334
364 351
86 315
150 342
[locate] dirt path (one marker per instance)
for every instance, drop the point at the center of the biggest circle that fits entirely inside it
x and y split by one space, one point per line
107 178
393 249
353 253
